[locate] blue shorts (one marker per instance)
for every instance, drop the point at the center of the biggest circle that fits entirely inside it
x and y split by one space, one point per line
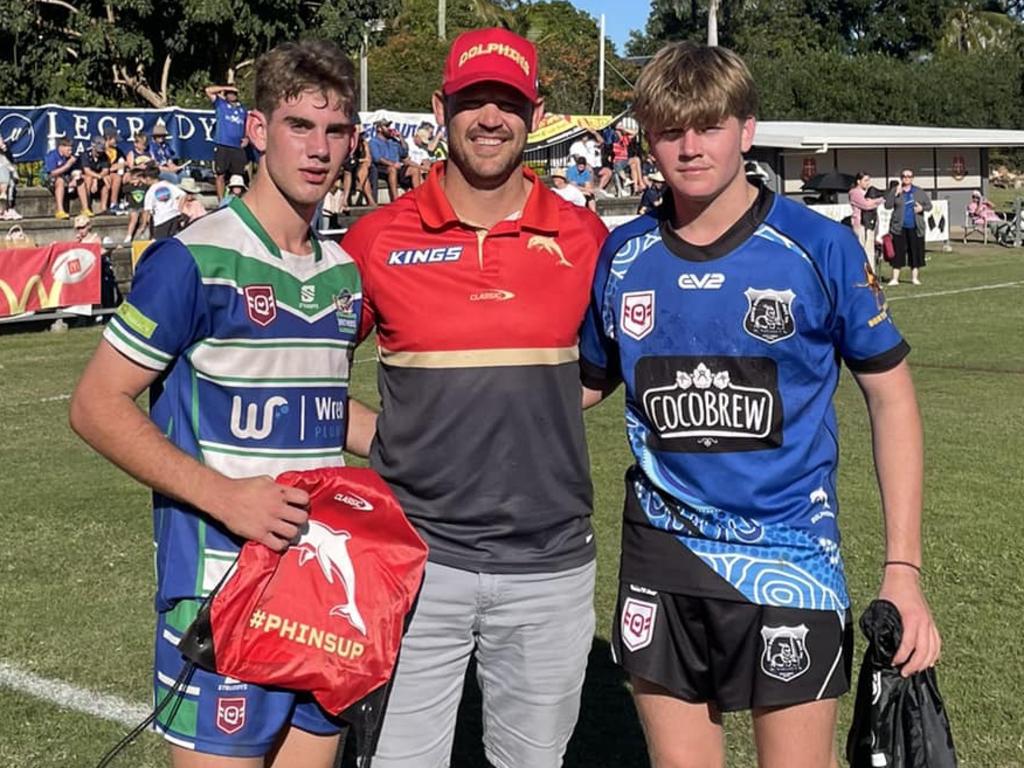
218 715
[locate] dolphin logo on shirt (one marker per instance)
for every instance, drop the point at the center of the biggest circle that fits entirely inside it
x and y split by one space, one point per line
548 244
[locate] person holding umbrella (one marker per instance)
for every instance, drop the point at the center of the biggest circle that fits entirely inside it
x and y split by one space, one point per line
865 216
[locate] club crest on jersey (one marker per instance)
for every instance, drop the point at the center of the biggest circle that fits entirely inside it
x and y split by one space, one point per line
230 714
260 304
344 306
785 655
638 618
769 314
637 319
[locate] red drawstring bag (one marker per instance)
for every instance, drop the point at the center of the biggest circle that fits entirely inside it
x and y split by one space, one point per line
888 248
327 615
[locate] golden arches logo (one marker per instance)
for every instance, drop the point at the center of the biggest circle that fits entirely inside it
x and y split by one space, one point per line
47 300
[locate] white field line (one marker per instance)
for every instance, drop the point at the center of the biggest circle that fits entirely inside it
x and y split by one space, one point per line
72 697
991 287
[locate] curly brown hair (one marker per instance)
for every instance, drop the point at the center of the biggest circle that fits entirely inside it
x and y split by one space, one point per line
288 70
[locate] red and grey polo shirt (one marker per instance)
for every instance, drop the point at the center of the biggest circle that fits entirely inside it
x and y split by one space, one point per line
481 433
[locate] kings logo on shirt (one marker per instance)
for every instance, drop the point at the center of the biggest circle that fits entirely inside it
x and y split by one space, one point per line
710 404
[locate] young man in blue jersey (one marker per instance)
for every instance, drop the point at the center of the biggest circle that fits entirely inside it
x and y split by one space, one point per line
243 328
725 312
229 141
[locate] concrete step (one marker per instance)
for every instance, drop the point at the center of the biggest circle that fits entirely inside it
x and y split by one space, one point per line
50 230
38 202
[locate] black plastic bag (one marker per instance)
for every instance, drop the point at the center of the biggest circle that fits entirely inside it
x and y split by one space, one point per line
897 722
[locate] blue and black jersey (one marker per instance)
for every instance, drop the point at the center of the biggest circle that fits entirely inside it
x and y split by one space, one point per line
730 356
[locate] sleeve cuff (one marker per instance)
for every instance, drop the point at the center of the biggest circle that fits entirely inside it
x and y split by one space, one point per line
597 378
883 362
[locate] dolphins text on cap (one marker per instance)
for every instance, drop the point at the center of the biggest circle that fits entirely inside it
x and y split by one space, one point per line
500 49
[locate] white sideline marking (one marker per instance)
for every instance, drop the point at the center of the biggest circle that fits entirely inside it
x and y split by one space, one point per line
54 399
992 287
71 697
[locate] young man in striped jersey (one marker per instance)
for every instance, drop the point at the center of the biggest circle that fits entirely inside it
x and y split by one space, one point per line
725 312
242 327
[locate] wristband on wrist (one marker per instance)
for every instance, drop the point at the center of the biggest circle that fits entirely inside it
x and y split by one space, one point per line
905 563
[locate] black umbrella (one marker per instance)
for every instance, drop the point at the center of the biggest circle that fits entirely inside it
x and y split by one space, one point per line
833 181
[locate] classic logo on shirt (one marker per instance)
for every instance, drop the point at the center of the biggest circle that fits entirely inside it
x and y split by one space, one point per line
710 404
785 656
637 317
638 618
496 294
260 304
425 256
769 314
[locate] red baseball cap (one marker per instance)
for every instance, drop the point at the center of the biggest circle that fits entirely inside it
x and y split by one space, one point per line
491 55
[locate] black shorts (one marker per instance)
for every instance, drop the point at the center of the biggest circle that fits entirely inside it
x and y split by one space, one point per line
228 161
735 655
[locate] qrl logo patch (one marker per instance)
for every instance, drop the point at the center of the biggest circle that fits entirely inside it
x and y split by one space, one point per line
230 714
260 304
637 313
638 623
769 314
785 655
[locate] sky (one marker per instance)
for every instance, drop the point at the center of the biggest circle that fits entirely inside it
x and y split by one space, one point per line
620 16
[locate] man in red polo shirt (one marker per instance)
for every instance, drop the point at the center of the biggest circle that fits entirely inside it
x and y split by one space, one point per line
477 282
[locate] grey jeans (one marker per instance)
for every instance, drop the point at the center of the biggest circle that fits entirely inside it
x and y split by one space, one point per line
531 634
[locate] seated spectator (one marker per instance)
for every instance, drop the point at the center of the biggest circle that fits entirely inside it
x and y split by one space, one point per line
162 205
8 182
591 146
651 197
191 206
236 188
136 184
629 132
62 174
162 153
83 230
333 205
95 167
984 214
388 152
139 148
419 157
581 176
357 175
565 190
117 170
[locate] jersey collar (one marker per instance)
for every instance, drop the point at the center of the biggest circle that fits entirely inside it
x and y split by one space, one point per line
242 211
540 213
741 231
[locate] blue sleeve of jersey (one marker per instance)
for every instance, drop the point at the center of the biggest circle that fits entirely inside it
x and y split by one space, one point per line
599 358
166 311
862 330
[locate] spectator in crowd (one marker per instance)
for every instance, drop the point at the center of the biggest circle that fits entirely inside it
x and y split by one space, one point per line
163 155
581 176
653 191
8 182
118 166
162 205
235 189
136 184
62 173
229 140
139 148
191 206
630 137
865 215
591 147
560 186
95 167
333 205
908 204
984 214
419 158
357 168
83 230
388 152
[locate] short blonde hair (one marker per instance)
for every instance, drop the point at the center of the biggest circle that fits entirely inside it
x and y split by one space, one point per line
688 85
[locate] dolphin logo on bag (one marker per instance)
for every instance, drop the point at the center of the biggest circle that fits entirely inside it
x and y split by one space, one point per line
328 547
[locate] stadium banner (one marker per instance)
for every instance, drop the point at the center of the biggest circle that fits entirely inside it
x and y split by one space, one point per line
30 132
51 277
936 220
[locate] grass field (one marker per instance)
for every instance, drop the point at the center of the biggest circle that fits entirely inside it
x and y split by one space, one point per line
76 557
